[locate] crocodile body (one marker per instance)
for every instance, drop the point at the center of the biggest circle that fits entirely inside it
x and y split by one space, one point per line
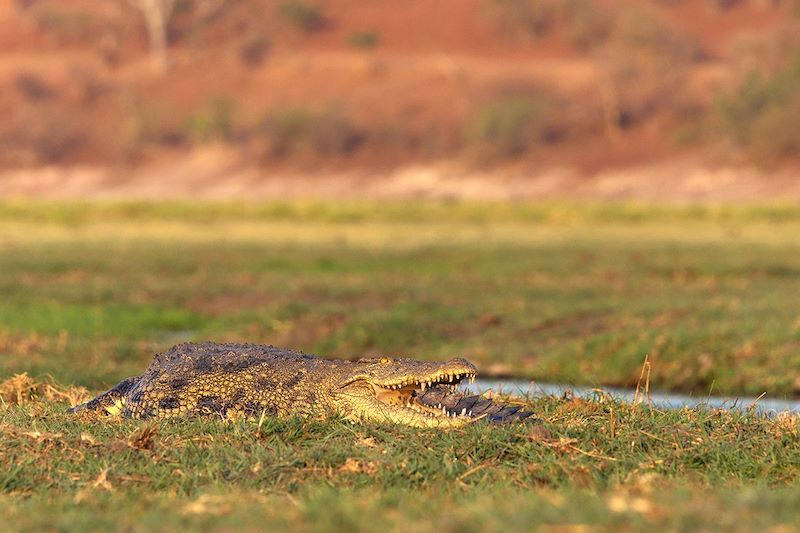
211 379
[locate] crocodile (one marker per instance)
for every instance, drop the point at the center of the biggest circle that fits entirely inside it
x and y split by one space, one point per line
252 380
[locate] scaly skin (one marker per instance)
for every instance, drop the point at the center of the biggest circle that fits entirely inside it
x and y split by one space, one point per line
255 380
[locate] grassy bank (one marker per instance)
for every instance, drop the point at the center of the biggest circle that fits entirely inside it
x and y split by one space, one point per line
591 462
555 292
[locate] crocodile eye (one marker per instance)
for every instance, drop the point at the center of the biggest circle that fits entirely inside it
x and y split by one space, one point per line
385 361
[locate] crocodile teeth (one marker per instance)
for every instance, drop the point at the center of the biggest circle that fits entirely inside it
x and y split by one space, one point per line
463 411
424 386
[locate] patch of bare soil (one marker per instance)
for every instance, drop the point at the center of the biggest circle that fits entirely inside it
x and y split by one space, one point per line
219 173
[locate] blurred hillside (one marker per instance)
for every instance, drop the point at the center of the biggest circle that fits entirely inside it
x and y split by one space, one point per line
252 90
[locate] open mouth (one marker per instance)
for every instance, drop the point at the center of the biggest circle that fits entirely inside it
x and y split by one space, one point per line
405 393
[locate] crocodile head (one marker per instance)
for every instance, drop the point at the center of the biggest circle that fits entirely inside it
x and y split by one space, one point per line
386 389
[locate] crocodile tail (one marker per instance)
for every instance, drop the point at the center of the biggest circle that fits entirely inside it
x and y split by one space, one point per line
496 412
111 402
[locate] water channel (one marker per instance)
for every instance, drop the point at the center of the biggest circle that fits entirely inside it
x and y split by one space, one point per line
661 400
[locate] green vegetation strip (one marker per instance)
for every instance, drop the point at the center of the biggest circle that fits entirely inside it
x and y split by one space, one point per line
391 211
576 294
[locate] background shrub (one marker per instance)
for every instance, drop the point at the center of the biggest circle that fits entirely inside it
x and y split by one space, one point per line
763 114
214 122
510 126
306 132
307 18
366 40
526 18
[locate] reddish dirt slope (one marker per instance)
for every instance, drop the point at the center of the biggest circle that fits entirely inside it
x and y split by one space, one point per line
373 88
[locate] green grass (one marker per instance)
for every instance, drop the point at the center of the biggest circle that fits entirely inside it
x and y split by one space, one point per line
555 292
325 509
596 462
574 293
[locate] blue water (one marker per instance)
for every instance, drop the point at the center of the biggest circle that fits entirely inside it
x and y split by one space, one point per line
662 400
